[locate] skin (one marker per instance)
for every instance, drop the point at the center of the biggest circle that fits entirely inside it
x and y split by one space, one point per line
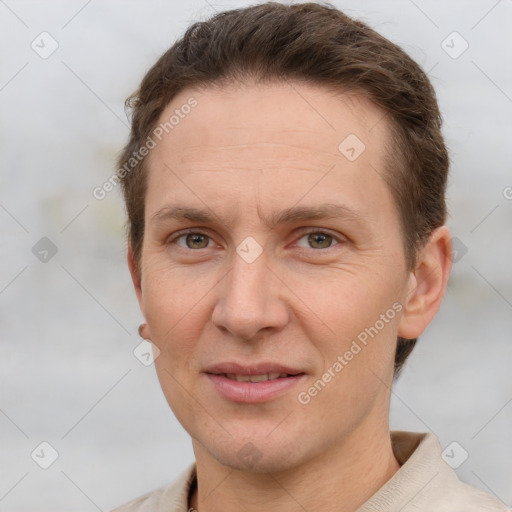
243 154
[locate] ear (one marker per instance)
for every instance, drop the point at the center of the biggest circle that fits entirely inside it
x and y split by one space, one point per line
136 277
427 284
135 272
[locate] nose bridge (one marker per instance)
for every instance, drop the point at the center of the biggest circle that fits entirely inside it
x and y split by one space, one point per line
248 286
249 298
249 277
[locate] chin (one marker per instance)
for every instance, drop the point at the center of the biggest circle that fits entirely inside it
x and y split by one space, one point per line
255 461
258 453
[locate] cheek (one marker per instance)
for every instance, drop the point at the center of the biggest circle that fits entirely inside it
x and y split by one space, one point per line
355 319
347 302
171 304
357 357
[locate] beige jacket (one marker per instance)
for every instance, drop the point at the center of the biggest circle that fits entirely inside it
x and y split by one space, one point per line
424 483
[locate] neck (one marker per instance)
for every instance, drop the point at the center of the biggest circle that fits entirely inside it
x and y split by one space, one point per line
340 480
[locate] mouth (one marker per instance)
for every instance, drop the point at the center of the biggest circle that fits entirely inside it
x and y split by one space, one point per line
257 378
255 383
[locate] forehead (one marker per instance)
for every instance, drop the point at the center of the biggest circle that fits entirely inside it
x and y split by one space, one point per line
316 117
268 136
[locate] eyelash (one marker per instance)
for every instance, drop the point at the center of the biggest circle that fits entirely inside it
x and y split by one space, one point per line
335 238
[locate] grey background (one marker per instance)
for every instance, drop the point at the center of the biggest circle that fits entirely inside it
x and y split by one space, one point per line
69 325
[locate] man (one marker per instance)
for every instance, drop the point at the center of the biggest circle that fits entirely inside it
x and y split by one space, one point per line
284 183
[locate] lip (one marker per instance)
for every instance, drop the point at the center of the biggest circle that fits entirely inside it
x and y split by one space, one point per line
251 369
253 392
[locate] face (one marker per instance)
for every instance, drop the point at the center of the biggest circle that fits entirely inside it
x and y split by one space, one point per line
272 246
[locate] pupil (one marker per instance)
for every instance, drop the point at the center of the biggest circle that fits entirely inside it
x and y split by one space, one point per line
320 239
196 240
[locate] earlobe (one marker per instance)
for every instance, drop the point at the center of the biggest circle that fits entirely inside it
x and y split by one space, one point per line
427 284
144 331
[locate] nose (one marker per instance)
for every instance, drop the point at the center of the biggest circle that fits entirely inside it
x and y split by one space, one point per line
250 300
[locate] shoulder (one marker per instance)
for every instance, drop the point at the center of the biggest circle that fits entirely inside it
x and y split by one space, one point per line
472 500
169 498
426 481
147 502
447 492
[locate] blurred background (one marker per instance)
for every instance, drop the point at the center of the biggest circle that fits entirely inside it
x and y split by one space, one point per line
69 376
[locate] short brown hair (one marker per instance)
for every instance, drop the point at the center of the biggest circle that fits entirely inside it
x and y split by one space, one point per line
320 45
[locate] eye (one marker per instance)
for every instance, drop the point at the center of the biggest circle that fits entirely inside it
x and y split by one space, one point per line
317 240
192 240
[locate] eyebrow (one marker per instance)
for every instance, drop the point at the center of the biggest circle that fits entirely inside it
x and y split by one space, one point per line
288 215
